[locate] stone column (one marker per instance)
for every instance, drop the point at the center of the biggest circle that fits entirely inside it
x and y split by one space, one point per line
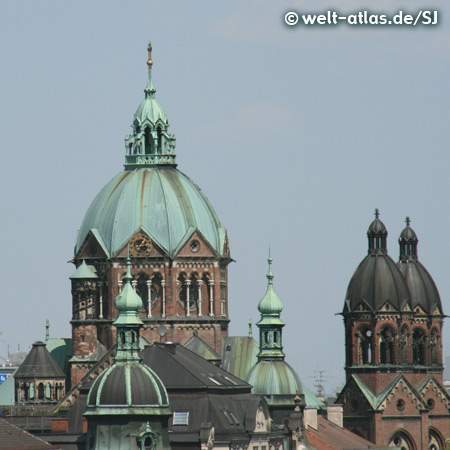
149 298
134 284
163 309
120 286
211 297
199 286
100 299
188 306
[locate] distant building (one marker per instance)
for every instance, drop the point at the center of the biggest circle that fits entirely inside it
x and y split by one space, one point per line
393 320
39 379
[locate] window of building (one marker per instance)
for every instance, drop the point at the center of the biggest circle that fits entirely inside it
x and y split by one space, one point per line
181 417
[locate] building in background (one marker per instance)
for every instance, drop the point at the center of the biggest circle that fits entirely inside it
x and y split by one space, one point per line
394 394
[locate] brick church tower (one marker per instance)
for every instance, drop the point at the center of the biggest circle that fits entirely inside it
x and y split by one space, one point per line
178 248
393 318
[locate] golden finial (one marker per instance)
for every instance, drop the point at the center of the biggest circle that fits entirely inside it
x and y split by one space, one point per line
149 49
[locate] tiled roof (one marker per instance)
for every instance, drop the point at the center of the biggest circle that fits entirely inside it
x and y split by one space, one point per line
15 438
329 436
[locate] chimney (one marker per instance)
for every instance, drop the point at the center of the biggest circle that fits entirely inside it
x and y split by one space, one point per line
310 417
335 414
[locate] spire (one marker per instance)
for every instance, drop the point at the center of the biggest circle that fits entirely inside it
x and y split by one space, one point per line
408 242
150 143
149 90
270 326
128 323
377 235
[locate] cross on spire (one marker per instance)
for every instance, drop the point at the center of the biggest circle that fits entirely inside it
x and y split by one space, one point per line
408 221
377 213
149 49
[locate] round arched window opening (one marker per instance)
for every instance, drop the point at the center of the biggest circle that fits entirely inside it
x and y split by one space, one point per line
430 403
354 405
195 246
400 405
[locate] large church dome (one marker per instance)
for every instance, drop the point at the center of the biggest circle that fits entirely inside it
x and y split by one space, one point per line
162 201
151 194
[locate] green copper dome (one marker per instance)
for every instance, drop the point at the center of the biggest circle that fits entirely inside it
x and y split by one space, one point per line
162 201
151 194
274 378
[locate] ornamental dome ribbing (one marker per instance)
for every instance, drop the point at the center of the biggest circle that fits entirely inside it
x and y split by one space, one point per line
151 194
274 378
128 389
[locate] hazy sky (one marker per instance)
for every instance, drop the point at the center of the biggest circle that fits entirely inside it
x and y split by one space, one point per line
295 135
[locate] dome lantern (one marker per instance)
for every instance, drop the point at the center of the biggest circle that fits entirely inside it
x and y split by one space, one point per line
150 144
377 235
270 326
408 242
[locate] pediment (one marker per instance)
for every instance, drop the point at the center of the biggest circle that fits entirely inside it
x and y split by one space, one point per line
406 308
387 307
141 245
93 246
195 245
434 391
355 398
419 310
363 306
401 397
436 312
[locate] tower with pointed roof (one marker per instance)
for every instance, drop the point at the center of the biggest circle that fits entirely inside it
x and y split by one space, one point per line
179 249
127 405
272 377
393 319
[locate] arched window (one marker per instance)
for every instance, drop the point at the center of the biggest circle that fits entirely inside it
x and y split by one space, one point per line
434 346
435 440
365 345
41 391
404 338
48 391
122 338
159 132
418 346
387 346
402 440
148 141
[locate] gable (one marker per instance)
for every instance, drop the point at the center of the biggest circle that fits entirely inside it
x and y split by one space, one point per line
195 245
435 396
355 398
93 246
400 398
141 245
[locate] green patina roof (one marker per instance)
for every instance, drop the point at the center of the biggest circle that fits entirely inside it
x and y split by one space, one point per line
274 378
270 305
311 401
128 303
162 201
84 271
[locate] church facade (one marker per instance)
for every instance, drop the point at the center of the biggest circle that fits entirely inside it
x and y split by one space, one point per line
179 250
393 317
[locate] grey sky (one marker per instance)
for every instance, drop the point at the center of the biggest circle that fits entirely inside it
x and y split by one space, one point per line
294 134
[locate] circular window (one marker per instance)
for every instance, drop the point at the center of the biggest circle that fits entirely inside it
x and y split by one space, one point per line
430 403
400 405
354 405
195 246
